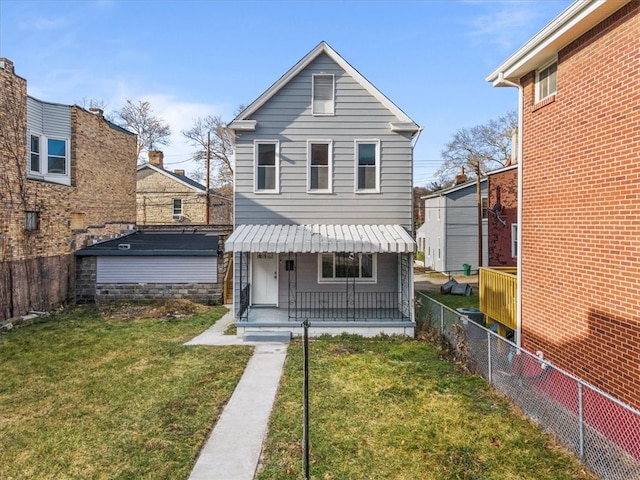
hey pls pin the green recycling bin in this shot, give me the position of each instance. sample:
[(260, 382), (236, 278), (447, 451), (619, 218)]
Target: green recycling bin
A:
[(467, 269)]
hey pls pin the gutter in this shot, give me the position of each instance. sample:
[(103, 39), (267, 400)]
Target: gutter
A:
[(501, 81)]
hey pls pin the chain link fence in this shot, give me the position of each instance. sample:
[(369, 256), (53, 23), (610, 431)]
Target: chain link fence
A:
[(603, 432)]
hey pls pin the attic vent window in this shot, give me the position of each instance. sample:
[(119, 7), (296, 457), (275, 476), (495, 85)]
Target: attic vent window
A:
[(323, 93), (124, 246)]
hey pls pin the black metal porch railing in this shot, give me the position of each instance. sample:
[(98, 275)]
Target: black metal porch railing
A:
[(348, 306), (244, 302)]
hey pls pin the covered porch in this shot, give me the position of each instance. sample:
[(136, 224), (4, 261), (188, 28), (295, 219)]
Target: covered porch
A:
[(341, 278)]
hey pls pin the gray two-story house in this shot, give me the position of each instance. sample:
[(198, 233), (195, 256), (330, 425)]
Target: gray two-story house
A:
[(323, 204)]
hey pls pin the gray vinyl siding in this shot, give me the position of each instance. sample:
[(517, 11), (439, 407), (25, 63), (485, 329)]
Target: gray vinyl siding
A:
[(306, 277), (462, 228), (50, 119), (287, 117), (157, 269)]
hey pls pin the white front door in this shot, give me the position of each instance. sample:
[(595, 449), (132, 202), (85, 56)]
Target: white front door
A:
[(264, 283)]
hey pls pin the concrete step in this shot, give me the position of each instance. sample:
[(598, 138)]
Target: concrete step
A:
[(267, 337)]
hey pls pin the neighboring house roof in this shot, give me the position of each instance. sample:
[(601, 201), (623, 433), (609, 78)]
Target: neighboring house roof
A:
[(183, 179), (242, 122), (577, 19), (504, 169), (320, 239), (454, 188), (157, 243)]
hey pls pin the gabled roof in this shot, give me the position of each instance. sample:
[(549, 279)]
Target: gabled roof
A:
[(242, 120), (577, 19), (454, 188), (183, 179)]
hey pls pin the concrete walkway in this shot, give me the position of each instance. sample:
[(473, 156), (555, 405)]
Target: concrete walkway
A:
[(233, 449)]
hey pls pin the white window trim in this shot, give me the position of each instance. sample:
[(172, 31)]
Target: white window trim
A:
[(355, 155), (255, 167), (484, 205), (329, 188), (514, 240), (313, 96), (374, 267), (43, 174), (539, 98), (173, 206)]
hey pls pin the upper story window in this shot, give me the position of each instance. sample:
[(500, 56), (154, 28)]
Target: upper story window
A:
[(177, 206), (367, 166), (514, 240), (323, 93), (546, 81), (267, 166), (485, 208), (49, 159), (320, 169), (338, 266)]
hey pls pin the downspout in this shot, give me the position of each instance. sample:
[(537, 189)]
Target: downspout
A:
[(503, 82)]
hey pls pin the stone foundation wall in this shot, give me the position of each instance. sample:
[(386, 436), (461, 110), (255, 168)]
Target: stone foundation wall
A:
[(205, 293)]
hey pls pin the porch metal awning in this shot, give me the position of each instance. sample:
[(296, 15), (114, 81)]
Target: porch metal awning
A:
[(320, 239)]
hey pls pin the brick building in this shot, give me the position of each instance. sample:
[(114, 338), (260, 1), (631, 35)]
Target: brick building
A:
[(502, 217), (171, 198), (68, 175), (579, 196)]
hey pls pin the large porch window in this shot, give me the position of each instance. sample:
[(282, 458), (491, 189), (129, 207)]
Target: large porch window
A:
[(333, 267)]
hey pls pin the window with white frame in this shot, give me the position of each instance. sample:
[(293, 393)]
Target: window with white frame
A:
[(339, 266), (49, 159), (323, 90), (267, 166), (485, 208), (320, 168), (546, 81), (367, 165), (514, 240), (177, 207)]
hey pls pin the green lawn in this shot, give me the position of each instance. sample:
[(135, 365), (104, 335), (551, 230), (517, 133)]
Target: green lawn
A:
[(456, 301), (92, 397), (390, 408)]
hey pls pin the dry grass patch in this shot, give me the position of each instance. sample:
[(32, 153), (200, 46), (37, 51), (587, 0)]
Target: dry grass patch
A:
[(112, 393)]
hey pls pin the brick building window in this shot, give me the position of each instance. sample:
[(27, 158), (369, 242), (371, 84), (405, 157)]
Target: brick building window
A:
[(546, 81), (514, 240), (31, 221), (177, 209), (49, 159)]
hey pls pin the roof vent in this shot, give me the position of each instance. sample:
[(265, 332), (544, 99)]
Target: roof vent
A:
[(124, 246)]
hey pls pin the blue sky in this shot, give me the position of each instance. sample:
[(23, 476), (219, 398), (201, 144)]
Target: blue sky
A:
[(196, 58)]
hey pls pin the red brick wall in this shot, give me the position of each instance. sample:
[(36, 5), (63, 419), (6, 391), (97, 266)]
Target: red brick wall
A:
[(581, 210), (502, 189)]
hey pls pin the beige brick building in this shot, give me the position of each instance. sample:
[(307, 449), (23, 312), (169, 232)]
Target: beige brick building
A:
[(68, 175), (171, 198)]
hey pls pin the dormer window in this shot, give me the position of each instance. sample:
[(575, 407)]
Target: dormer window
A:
[(323, 93), (546, 81)]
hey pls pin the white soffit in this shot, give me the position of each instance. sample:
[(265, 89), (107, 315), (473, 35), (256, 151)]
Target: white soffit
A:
[(320, 239)]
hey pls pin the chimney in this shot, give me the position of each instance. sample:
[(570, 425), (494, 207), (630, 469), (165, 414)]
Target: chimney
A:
[(98, 112), (179, 172), (460, 178), (156, 157), (6, 64)]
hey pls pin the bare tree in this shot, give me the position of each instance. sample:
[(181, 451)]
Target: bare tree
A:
[(484, 147), (138, 118), (220, 149)]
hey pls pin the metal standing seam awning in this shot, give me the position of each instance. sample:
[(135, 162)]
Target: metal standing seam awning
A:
[(320, 239)]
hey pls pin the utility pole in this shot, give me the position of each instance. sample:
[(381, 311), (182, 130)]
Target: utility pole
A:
[(207, 167), (479, 192)]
